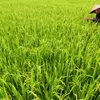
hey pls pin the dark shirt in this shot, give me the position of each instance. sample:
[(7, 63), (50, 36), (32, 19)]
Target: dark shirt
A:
[(97, 19)]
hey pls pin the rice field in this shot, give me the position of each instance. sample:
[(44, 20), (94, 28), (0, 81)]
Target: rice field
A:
[(48, 51)]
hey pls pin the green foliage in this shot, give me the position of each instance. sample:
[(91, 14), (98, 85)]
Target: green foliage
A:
[(48, 51)]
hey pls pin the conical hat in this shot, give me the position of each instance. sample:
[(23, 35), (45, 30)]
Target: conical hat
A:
[(94, 8)]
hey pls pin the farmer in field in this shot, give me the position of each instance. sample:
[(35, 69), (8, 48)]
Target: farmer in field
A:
[(96, 10)]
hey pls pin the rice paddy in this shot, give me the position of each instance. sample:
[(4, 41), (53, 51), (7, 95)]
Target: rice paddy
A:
[(48, 51)]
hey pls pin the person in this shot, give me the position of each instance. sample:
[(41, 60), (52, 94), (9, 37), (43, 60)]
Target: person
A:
[(96, 10)]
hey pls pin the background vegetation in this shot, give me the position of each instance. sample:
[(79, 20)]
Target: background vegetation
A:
[(48, 51)]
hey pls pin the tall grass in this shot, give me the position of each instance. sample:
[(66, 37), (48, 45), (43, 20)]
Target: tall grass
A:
[(48, 51)]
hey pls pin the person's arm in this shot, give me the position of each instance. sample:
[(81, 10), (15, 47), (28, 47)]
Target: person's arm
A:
[(88, 18)]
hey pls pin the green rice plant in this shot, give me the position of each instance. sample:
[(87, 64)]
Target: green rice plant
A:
[(48, 51)]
